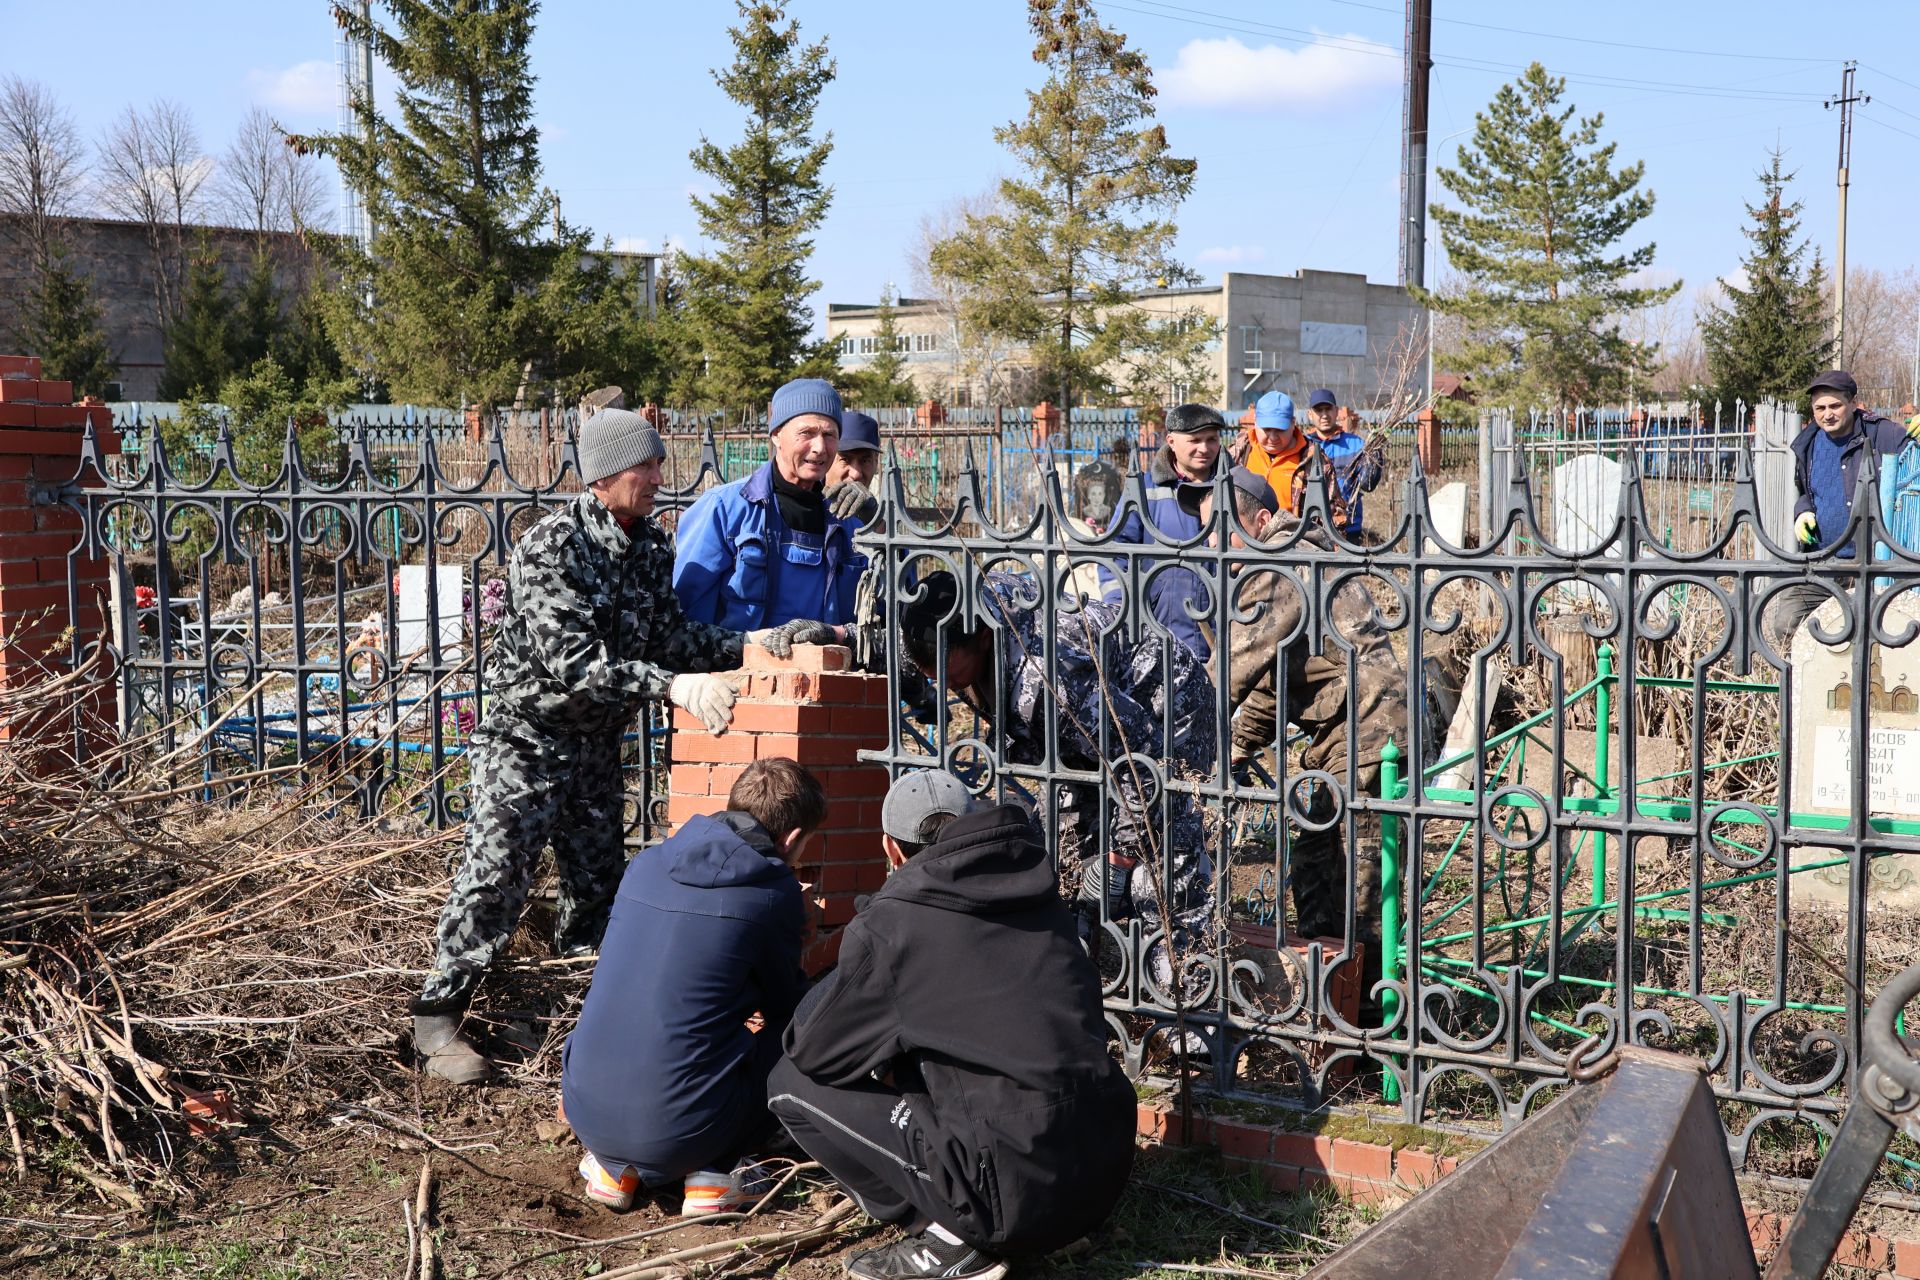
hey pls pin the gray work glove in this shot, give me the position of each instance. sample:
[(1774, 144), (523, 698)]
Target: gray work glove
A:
[(779, 641), (708, 697), (851, 500)]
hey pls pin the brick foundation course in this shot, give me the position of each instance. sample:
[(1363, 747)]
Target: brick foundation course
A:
[(50, 597), (812, 709), (1291, 1161)]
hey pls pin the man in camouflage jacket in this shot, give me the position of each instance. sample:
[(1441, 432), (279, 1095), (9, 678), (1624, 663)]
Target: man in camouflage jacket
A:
[(592, 631), (1156, 706), (1319, 695)]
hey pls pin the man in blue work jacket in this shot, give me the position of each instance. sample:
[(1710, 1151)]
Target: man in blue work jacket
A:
[(766, 548), (1353, 467), (1185, 461)]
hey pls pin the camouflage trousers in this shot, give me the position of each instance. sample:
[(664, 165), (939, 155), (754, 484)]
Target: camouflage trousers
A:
[(528, 788), (1179, 856), (1318, 867)]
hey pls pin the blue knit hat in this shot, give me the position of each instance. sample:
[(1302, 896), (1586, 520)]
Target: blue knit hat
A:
[(858, 431), (1273, 411), (803, 395)]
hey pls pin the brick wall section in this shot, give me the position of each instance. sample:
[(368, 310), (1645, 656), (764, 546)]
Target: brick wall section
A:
[(1291, 1162), (809, 708), (40, 437)]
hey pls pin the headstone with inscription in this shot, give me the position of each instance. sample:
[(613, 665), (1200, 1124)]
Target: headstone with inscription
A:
[(1824, 696)]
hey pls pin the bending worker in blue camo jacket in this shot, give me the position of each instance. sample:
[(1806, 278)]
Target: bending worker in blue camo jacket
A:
[(765, 549), (592, 631)]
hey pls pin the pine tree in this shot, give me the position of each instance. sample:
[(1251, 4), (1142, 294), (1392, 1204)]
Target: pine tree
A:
[(597, 320), (1537, 241), (446, 307), (1087, 225), (60, 322), (303, 348), (883, 380), (198, 345), (257, 317), (678, 365), (1773, 335), (747, 298)]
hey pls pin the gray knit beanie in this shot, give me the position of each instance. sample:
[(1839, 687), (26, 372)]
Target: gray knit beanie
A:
[(613, 440)]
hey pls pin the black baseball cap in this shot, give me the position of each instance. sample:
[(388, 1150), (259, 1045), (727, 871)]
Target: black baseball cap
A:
[(1835, 380), (1319, 396)]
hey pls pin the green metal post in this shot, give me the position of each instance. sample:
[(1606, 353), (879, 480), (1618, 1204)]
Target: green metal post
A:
[(1602, 758), (1391, 844)]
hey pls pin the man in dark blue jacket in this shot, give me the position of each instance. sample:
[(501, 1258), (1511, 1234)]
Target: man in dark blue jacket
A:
[(953, 1074), (1185, 462), (1826, 471), (662, 1077)]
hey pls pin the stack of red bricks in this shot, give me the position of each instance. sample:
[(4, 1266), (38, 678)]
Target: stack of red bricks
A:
[(44, 588), (812, 709)]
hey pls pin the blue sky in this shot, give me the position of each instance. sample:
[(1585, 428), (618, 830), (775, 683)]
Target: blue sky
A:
[(1292, 108)]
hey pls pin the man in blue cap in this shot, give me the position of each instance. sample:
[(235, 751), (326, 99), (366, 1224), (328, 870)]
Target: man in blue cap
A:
[(850, 493), (1353, 466), (765, 550)]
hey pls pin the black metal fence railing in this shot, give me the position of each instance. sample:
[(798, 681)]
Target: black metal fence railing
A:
[(1533, 799)]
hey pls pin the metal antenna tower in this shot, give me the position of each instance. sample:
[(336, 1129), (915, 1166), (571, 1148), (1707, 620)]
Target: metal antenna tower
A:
[(1845, 102), (354, 58)]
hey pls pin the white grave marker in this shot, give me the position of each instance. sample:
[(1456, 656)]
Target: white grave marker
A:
[(411, 621), (1448, 507)]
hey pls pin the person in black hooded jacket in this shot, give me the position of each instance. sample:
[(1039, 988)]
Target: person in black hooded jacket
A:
[(953, 1073)]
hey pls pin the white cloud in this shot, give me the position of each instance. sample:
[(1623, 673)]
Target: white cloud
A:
[(305, 88), (1231, 255), (1228, 74)]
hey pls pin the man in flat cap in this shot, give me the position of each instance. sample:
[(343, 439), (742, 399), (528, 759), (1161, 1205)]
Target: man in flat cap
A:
[(593, 630), (1826, 468)]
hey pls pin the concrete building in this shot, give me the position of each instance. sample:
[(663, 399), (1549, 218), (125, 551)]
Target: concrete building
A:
[(1331, 329)]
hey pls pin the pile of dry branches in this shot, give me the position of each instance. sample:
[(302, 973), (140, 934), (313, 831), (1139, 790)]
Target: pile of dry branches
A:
[(168, 954)]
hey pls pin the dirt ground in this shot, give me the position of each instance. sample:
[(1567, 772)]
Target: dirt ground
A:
[(325, 1196)]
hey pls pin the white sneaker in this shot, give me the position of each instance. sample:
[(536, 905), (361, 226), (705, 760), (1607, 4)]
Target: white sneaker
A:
[(614, 1191)]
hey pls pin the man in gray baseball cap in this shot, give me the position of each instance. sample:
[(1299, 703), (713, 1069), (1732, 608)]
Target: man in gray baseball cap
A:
[(961, 1031), (592, 632)]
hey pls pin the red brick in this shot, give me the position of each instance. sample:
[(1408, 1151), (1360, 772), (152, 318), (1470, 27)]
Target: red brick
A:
[(782, 686), (848, 690), (1906, 1259), (19, 391), (851, 877), (778, 717), (42, 544), (822, 955), (59, 417), (19, 366), (836, 910), (681, 808), (1362, 1190), (720, 781), (1182, 1132), (1858, 1249), (56, 392), (56, 517), (19, 573), (1247, 1141), (1363, 1160), (14, 493), (1416, 1169), (830, 750), (688, 779), (806, 657), (14, 466), (1150, 1122), (1281, 1178), (862, 721), (700, 747), (767, 746), (16, 415), (855, 784), (46, 446), (1309, 1151), (851, 848), (15, 599)]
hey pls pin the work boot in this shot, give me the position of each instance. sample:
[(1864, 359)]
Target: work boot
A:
[(444, 1052)]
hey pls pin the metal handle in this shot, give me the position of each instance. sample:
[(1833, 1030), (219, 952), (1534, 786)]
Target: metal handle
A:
[(1882, 1045)]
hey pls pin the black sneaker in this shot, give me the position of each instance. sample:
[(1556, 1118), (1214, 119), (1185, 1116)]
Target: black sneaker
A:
[(924, 1254)]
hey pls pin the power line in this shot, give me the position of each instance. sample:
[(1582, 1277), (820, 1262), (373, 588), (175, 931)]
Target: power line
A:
[(1612, 44), (1894, 128)]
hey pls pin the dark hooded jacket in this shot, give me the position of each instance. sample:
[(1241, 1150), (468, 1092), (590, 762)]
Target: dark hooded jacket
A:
[(705, 931), (962, 980)]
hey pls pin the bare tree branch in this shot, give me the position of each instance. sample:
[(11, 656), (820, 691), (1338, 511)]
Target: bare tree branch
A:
[(151, 172), (42, 161)]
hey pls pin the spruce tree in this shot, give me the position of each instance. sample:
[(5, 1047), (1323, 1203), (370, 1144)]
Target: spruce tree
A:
[(1537, 239), (257, 318), (1086, 225), (198, 345), (60, 322), (678, 365), (747, 297), (883, 380), (1772, 337), (446, 307)]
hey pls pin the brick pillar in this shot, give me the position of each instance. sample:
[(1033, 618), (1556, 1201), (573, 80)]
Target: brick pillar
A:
[(1046, 421), (930, 414), (812, 709), (40, 436), (1427, 440)]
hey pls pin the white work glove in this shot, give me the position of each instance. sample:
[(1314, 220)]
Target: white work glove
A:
[(851, 500), (779, 641), (1807, 529), (708, 697)]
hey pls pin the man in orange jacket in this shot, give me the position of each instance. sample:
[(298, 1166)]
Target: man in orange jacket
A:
[(1274, 448)]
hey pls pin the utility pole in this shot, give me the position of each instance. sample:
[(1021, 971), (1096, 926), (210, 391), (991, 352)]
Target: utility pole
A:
[(1845, 102), (1413, 144)]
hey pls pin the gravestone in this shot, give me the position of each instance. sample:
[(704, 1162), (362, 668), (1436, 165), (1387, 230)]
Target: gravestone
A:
[(1822, 689), (1096, 492), (410, 621), (1586, 499), (1448, 507)]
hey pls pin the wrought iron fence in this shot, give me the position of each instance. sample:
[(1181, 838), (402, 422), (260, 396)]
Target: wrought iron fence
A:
[(1623, 800)]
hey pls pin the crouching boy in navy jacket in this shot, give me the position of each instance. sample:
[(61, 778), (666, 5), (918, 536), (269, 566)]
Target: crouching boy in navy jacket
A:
[(953, 1074), (662, 1077)]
